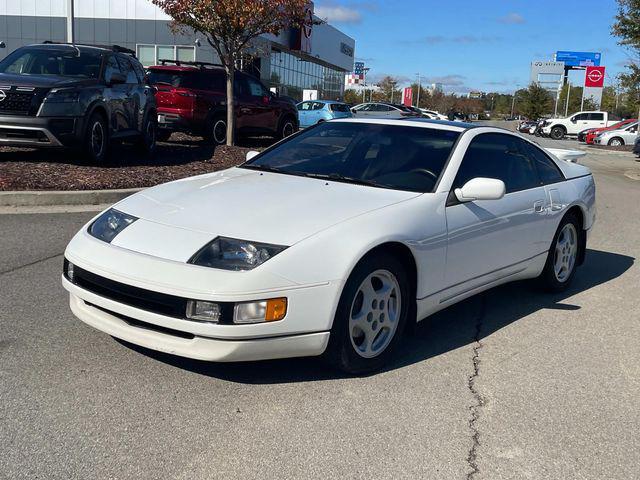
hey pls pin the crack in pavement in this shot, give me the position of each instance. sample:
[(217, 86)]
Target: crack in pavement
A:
[(472, 457), (15, 269)]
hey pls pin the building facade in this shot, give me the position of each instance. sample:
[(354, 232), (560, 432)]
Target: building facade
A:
[(316, 58)]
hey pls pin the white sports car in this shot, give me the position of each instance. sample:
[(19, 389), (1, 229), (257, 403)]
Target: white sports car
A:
[(330, 242)]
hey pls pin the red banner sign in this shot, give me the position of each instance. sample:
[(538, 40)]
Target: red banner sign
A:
[(407, 96), (594, 77)]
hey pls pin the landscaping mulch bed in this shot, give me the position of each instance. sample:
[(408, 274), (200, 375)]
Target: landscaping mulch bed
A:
[(182, 156)]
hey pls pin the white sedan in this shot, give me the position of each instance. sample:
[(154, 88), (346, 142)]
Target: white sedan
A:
[(330, 242)]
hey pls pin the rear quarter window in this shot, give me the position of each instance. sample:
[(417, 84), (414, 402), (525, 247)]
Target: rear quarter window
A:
[(339, 107)]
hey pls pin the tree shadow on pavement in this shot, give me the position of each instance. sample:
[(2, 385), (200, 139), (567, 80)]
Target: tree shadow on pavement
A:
[(444, 331)]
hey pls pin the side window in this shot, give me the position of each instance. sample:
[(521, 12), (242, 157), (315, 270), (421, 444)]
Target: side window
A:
[(548, 171), (305, 106), (596, 116), (633, 128), (255, 88), (318, 106), (111, 67), (500, 156), (582, 116), (127, 70), (137, 67), (239, 86)]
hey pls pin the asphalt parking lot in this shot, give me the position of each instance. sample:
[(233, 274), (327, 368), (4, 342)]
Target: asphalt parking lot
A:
[(512, 384)]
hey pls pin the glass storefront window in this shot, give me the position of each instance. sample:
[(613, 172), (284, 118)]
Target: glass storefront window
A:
[(152, 54), (290, 75)]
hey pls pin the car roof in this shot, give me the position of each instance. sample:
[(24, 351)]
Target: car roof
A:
[(186, 68)]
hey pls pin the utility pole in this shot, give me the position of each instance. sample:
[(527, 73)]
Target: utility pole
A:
[(513, 103), (419, 88), (70, 26), (566, 107)]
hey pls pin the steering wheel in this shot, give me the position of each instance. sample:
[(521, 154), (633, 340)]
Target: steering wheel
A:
[(427, 172)]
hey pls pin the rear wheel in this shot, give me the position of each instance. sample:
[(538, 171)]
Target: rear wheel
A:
[(287, 127), (557, 133), (96, 139), (217, 130), (562, 259), (147, 142), (616, 142), (371, 315)]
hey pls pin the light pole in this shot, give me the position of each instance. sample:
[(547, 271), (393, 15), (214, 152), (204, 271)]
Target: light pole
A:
[(70, 27), (566, 107), (364, 84), (393, 87), (419, 88)]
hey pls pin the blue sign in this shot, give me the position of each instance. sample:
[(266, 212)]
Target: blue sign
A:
[(579, 59), (358, 68)]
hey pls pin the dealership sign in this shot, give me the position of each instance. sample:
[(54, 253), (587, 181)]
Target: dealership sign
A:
[(301, 37), (407, 96), (579, 59), (594, 77)]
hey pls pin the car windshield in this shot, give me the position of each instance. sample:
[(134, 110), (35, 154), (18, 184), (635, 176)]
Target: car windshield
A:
[(399, 157), (67, 62)]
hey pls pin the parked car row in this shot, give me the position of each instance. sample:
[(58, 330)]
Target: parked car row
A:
[(618, 134), (86, 96)]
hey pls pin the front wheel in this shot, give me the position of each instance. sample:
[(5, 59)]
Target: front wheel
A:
[(560, 267), (96, 139), (371, 315), (615, 142), (557, 133)]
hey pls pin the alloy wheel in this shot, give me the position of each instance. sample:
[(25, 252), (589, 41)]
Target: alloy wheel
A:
[(287, 129), (375, 313), (565, 252), (97, 139), (220, 131)]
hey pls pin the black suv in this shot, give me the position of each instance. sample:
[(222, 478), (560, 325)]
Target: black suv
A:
[(63, 95)]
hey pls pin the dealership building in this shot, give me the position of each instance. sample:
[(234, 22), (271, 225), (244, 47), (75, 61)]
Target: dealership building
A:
[(314, 58)]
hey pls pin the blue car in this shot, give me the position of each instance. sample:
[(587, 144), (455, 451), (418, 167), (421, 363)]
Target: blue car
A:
[(313, 112)]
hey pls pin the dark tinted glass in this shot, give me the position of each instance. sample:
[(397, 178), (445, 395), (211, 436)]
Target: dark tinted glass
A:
[(392, 156), (495, 155), (112, 67), (127, 69), (188, 79), (548, 171), (596, 116), (49, 61), (339, 107)]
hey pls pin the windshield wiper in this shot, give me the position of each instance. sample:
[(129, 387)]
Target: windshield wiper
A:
[(263, 168), (337, 177)]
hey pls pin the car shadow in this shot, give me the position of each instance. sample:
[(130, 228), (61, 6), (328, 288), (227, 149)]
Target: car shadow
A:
[(452, 328)]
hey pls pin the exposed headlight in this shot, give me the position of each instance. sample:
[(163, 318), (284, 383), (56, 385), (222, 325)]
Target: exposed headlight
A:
[(203, 311), (259, 312), (110, 224), (233, 254), (62, 96)]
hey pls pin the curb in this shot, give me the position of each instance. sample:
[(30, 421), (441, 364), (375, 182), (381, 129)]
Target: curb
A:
[(604, 151), (46, 198)]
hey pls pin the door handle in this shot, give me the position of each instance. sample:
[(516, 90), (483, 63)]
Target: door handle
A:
[(538, 206)]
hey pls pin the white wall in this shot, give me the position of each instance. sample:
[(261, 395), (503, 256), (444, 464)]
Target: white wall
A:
[(107, 9)]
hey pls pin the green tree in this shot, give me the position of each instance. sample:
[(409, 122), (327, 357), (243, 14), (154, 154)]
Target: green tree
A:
[(230, 26), (535, 102), (389, 89), (627, 28), (352, 96)]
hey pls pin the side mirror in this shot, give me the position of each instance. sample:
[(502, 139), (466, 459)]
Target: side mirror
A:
[(353, 110), (574, 120), (251, 154), (117, 79), (481, 189)]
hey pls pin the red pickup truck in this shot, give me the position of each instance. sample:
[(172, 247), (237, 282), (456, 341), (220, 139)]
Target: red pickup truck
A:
[(191, 98)]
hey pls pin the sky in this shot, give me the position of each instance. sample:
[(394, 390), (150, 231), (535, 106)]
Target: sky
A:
[(485, 45)]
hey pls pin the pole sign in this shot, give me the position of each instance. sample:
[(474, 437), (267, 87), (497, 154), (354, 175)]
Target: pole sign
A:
[(358, 68), (407, 96), (594, 77)]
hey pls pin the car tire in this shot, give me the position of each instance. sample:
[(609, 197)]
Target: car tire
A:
[(217, 130), (615, 142), (371, 316), (163, 135), (148, 137), (557, 133), (563, 256), (287, 127), (96, 139)]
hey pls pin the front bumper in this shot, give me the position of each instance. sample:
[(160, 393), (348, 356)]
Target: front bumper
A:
[(30, 131), (148, 335), (176, 120)]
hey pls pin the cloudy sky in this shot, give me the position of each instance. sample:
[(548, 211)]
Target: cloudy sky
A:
[(467, 44)]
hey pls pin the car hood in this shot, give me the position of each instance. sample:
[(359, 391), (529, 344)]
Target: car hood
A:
[(248, 205), (43, 81)]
